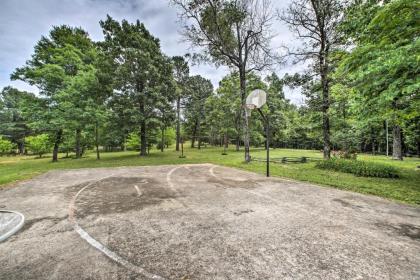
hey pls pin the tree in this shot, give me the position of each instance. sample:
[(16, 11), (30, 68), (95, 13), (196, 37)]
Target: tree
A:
[(278, 106), (232, 33), (224, 110), (101, 91), (166, 118), (39, 144), (199, 90), (61, 67), (13, 123), (316, 23), (141, 72), (181, 75), (383, 68)]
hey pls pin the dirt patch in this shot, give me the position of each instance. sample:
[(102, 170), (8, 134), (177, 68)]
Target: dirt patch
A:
[(238, 213), (120, 195), (402, 229), (347, 204)]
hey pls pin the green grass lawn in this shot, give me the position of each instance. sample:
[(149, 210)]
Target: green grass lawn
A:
[(405, 189)]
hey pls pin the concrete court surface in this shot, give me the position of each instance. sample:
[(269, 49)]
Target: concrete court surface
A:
[(203, 222)]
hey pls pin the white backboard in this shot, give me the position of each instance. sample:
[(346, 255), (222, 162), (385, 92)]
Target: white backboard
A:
[(257, 97)]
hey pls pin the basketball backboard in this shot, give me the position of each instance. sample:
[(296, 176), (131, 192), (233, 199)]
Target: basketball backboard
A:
[(256, 99)]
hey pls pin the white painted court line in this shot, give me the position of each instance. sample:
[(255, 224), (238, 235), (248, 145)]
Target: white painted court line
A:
[(96, 244), (139, 193), (99, 246), (10, 221), (168, 178), (14, 229)]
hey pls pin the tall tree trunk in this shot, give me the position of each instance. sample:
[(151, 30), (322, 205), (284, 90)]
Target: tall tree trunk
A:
[(373, 140), (162, 141), (142, 111), (57, 142), (193, 135), (21, 147), (178, 122), (78, 149), (242, 79), (326, 124), (323, 66), (238, 139), (199, 136), (226, 139), (98, 156), (143, 138), (396, 143)]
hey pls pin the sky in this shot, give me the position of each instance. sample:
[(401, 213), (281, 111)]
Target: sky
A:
[(23, 22)]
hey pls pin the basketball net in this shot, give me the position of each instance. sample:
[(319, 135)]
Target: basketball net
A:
[(248, 109)]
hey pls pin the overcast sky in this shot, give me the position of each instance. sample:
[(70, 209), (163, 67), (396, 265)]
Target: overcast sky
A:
[(23, 22)]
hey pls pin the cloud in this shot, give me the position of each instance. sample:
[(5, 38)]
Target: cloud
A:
[(23, 22)]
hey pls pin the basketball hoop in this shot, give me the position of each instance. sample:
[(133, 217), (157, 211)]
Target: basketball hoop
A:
[(255, 100)]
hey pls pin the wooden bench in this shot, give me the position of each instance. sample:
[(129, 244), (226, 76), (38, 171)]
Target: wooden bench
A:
[(287, 159)]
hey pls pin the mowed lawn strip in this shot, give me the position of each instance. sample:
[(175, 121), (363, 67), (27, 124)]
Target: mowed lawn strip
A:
[(405, 189)]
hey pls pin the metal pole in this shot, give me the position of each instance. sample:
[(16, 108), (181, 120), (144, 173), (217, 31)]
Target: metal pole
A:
[(267, 142), (268, 146), (387, 145)]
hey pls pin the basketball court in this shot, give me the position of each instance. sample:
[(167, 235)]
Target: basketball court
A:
[(203, 222)]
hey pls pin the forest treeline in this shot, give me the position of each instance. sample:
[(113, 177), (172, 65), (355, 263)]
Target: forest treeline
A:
[(361, 84)]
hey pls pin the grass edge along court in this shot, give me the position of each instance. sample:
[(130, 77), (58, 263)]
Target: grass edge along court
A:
[(405, 189)]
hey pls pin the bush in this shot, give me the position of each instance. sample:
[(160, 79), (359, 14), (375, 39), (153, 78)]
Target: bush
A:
[(6, 146), (39, 144), (344, 154), (359, 168)]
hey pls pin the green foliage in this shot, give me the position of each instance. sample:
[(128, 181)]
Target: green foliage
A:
[(63, 68), (224, 108), (133, 141), (199, 90), (359, 168), (143, 93), (170, 136), (39, 144), (383, 68), (6, 146), (13, 121)]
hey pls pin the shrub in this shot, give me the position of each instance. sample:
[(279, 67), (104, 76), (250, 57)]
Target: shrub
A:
[(343, 154), (39, 144), (6, 146), (359, 168)]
